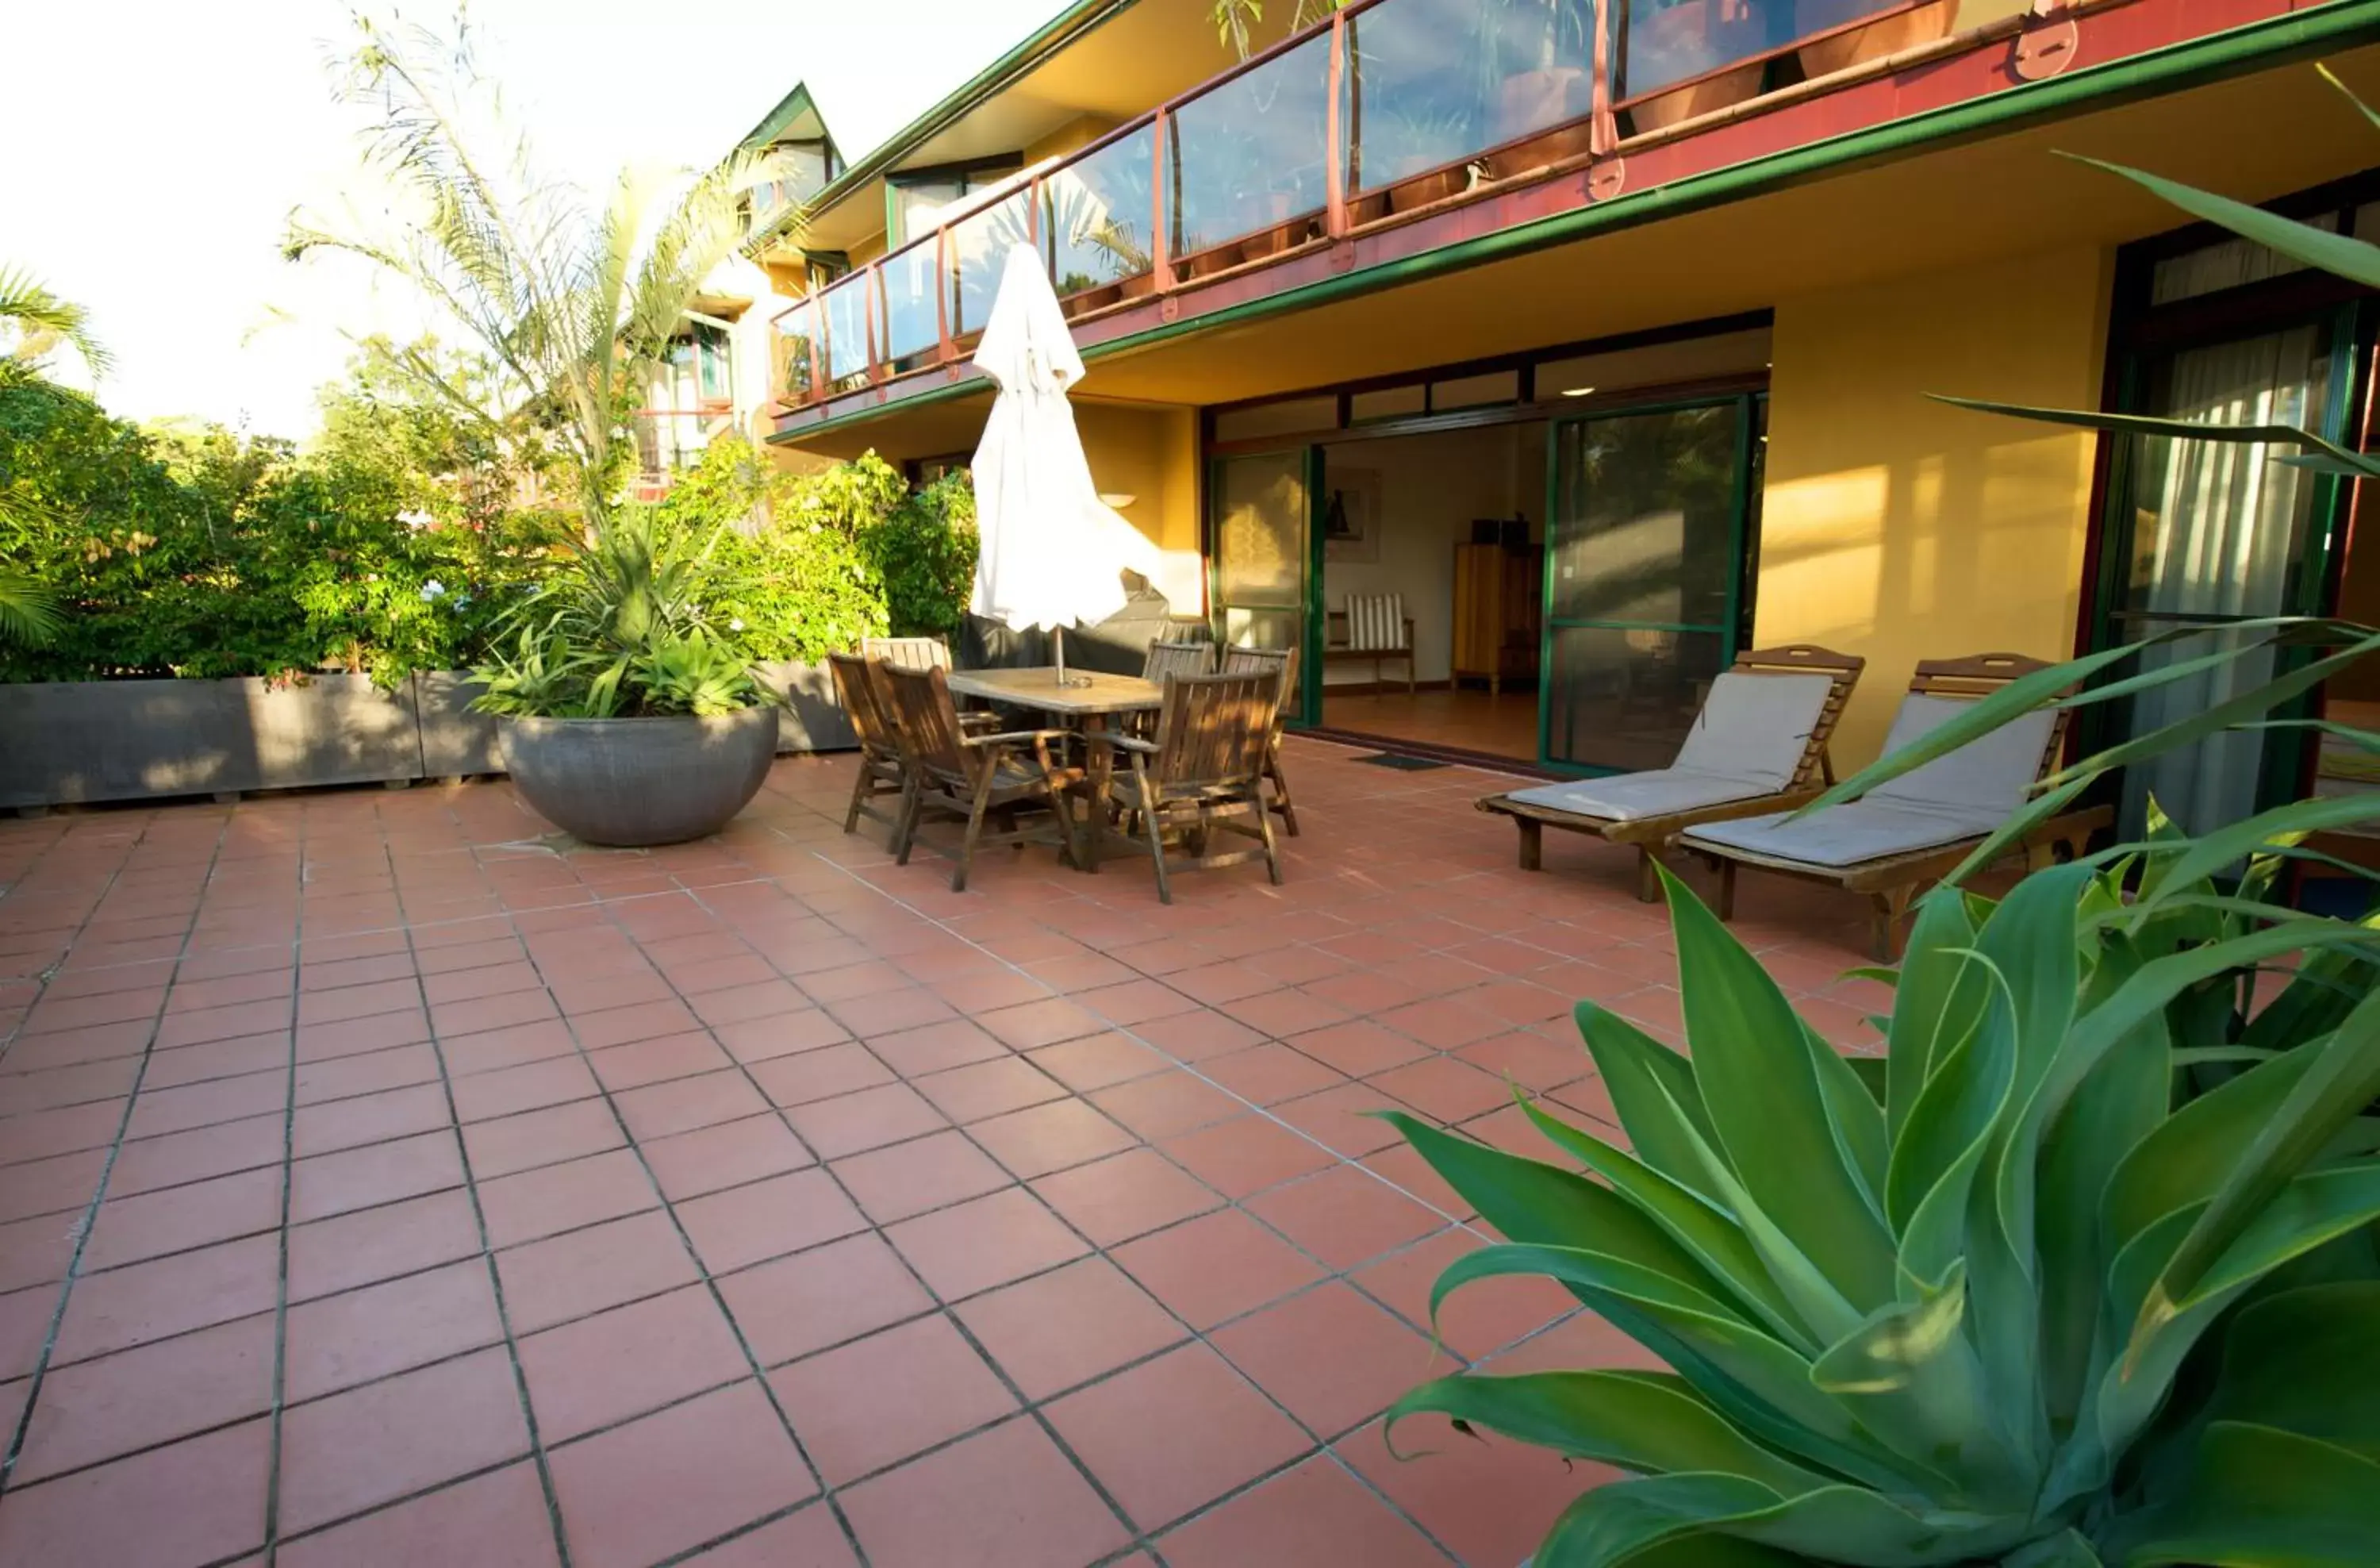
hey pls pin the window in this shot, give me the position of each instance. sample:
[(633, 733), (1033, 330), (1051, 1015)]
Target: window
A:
[(2226, 263), (702, 369), (916, 202)]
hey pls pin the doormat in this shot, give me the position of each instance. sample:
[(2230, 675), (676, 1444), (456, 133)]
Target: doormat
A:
[(1405, 764)]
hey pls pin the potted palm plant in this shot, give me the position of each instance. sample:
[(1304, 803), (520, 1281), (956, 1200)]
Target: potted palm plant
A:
[(625, 717)]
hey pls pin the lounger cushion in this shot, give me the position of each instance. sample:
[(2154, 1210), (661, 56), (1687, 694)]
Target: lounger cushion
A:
[(1991, 774), (1754, 727), (1953, 798), (1848, 835), (1625, 798)]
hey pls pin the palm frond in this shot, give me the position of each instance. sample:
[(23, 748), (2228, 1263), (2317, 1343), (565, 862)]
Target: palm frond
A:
[(29, 613), (43, 321), (574, 304)]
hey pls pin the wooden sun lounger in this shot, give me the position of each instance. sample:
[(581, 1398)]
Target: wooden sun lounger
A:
[(1892, 882), (1811, 776)]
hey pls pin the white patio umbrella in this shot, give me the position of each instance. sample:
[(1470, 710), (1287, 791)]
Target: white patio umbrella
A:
[(1053, 553)]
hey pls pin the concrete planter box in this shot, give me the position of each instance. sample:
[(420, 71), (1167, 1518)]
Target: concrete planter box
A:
[(456, 742), (74, 742), (813, 719), (633, 781), (70, 741)]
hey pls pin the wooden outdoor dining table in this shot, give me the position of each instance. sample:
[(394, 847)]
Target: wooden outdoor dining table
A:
[(1089, 701)]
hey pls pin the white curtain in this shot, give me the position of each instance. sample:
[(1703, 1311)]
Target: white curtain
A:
[(2219, 528)]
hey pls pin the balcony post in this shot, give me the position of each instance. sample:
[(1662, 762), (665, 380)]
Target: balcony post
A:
[(874, 303), (946, 348), (1334, 174), (1603, 129), (825, 362), (1161, 262)]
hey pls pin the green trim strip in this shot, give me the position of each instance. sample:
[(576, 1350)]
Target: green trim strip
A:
[(2174, 68), (1045, 41)]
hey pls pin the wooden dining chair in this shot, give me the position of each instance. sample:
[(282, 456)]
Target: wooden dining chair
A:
[(972, 776), (1168, 659), (907, 652), (1177, 659), (882, 768), (1281, 662), (1206, 765)]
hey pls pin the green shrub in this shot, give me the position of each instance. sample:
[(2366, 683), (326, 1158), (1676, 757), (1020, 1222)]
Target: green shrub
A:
[(927, 549), (195, 553)]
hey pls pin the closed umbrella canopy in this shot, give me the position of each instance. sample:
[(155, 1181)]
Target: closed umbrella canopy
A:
[(1053, 552)]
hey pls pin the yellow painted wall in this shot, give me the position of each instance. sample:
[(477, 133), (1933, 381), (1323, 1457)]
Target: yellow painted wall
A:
[(1901, 528), (1151, 454), (1081, 131)]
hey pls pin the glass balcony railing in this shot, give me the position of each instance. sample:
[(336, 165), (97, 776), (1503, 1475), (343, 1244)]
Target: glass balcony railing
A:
[(1098, 214), (913, 315), (796, 354), (1247, 161), (1679, 58), (979, 245), (1389, 107), (1441, 94), (848, 352)]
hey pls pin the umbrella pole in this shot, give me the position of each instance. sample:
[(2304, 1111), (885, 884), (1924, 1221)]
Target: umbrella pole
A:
[(1058, 637)]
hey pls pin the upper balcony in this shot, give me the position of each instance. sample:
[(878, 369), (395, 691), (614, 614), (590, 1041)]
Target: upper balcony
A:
[(1401, 125)]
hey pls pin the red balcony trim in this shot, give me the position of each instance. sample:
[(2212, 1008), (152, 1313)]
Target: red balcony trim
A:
[(1950, 73)]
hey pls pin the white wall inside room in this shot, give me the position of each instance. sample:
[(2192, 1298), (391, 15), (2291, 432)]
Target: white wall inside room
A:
[(1430, 488)]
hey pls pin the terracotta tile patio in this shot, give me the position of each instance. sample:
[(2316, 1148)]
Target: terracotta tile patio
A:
[(378, 1185)]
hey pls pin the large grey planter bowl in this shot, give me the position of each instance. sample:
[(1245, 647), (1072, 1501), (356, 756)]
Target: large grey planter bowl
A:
[(640, 781)]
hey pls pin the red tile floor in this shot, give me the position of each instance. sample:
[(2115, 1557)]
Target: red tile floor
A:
[(378, 1185)]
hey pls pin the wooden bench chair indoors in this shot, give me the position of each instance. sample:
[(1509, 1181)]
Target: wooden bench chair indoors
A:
[(1281, 662), (1902, 837), (973, 777), (1373, 631), (1758, 746), (1205, 769)]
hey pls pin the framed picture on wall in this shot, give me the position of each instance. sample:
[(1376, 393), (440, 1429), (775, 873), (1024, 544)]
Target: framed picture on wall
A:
[(1351, 515)]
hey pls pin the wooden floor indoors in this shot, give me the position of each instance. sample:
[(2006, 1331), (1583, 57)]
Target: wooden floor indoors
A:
[(1467, 720)]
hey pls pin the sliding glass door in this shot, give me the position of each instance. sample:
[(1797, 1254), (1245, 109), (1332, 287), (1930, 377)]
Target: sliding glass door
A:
[(1263, 546), (1645, 546), (2208, 534)]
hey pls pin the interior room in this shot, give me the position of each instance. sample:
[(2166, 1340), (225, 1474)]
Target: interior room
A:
[(1450, 525)]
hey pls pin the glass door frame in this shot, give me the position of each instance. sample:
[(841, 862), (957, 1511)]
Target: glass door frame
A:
[(2321, 557), (1738, 541), (1310, 620)]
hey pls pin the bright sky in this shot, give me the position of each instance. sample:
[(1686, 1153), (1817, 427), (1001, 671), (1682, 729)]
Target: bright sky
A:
[(156, 147)]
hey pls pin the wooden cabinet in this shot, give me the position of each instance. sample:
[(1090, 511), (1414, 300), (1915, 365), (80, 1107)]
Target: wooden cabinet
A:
[(1498, 594)]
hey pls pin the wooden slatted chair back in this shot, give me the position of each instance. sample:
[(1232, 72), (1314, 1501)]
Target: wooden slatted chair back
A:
[(1281, 662), (909, 652), (1177, 659), (1842, 671), (927, 718), (1979, 675), (1215, 729), (857, 688)]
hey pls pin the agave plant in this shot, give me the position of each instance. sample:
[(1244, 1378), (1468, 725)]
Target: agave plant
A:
[(2007, 1296)]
